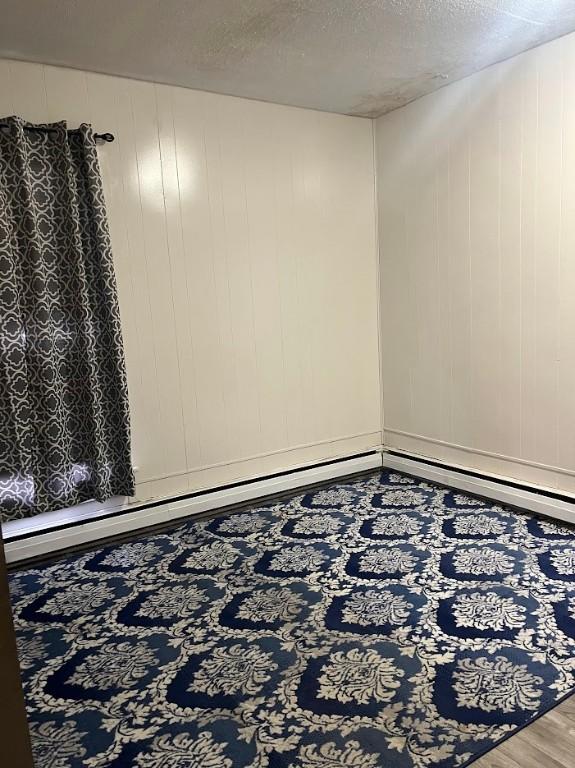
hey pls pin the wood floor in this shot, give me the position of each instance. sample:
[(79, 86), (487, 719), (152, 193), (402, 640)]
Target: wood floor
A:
[(549, 742)]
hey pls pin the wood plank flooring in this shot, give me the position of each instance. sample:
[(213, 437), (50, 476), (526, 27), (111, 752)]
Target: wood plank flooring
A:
[(549, 742)]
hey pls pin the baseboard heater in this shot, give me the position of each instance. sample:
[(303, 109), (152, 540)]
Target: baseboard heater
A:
[(23, 546), (44, 541), (523, 496)]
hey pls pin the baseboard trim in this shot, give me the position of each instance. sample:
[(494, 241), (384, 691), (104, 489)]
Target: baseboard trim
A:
[(32, 544), (505, 490), (500, 457)]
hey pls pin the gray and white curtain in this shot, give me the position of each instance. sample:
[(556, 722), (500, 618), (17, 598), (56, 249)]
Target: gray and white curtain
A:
[(64, 428)]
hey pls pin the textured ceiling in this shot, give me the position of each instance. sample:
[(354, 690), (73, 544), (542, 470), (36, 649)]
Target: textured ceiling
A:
[(360, 57)]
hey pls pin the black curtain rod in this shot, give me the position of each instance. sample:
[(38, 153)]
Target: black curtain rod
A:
[(97, 136)]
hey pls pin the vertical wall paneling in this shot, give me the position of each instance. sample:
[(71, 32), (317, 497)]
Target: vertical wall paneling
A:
[(477, 228), (245, 254), (566, 353)]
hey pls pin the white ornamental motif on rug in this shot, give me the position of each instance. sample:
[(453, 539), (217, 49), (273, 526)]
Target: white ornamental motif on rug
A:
[(496, 684), (375, 607), (359, 676), (488, 611)]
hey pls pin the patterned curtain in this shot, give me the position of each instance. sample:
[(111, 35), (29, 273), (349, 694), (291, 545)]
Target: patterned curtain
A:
[(64, 427)]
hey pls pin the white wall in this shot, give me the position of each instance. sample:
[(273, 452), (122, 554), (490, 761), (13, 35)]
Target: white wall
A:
[(244, 244), (477, 239)]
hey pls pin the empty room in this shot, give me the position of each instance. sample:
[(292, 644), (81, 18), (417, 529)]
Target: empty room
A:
[(287, 384)]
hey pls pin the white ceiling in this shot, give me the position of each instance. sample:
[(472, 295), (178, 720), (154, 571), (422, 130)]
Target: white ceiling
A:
[(360, 57)]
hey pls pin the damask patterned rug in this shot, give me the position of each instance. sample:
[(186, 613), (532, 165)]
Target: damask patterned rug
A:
[(381, 623)]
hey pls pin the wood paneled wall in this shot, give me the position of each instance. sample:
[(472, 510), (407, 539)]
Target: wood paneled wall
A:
[(245, 251), (477, 238)]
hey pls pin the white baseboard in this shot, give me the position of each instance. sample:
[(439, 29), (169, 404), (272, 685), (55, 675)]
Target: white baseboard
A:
[(46, 542), (524, 499)]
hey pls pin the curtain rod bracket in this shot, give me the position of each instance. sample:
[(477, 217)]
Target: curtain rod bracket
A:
[(107, 137)]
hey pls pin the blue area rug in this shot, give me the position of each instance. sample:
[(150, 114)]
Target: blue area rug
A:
[(382, 623)]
